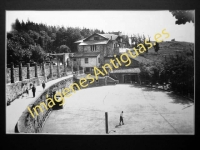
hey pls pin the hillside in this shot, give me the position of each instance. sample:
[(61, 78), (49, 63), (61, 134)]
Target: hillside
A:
[(30, 42), (168, 48)]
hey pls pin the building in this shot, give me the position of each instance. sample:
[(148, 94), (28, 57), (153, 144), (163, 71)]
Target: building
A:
[(64, 57), (131, 73), (96, 50)]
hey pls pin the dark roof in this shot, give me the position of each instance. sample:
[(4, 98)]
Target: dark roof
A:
[(92, 54)]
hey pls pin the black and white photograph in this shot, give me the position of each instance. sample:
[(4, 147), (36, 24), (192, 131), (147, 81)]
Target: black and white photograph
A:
[(100, 72)]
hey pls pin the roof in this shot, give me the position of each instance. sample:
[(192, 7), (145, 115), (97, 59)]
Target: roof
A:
[(130, 70), (94, 42), (79, 41), (79, 55), (139, 58), (142, 59), (109, 36)]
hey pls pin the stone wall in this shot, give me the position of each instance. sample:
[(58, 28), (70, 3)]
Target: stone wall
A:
[(32, 72), (28, 124), (8, 75), (47, 70), (14, 90), (24, 73)]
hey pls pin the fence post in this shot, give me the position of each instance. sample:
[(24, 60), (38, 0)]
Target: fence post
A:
[(71, 59), (36, 74), (78, 69), (106, 121), (12, 73), (64, 64), (28, 70), (58, 67), (44, 72), (51, 71), (105, 80), (20, 72)]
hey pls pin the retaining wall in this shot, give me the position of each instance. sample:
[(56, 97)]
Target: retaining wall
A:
[(28, 124)]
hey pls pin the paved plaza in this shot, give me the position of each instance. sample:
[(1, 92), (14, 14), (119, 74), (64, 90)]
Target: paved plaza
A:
[(146, 111)]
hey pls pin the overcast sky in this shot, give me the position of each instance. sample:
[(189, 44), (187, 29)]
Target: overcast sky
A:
[(128, 22)]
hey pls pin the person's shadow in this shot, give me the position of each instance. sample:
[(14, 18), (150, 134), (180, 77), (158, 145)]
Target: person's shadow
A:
[(117, 126)]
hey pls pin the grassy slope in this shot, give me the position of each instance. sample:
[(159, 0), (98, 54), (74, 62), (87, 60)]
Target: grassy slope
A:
[(168, 48)]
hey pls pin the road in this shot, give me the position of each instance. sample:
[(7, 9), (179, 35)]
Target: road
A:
[(146, 111)]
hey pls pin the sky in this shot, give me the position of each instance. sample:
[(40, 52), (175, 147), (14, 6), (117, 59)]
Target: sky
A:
[(128, 22)]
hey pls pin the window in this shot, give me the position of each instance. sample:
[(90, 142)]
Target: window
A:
[(87, 69), (115, 45), (96, 38), (93, 47), (86, 60), (98, 60)]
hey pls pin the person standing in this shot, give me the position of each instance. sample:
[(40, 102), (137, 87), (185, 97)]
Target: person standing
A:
[(43, 84), (121, 119), (33, 89)]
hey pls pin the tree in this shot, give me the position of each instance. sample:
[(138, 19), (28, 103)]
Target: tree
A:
[(180, 71), (17, 25), (183, 16), (151, 72), (38, 54), (102, 32), (64, 49), (156, 47)]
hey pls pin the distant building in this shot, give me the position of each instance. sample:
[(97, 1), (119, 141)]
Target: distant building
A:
[(130, 74), (65, 58)]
